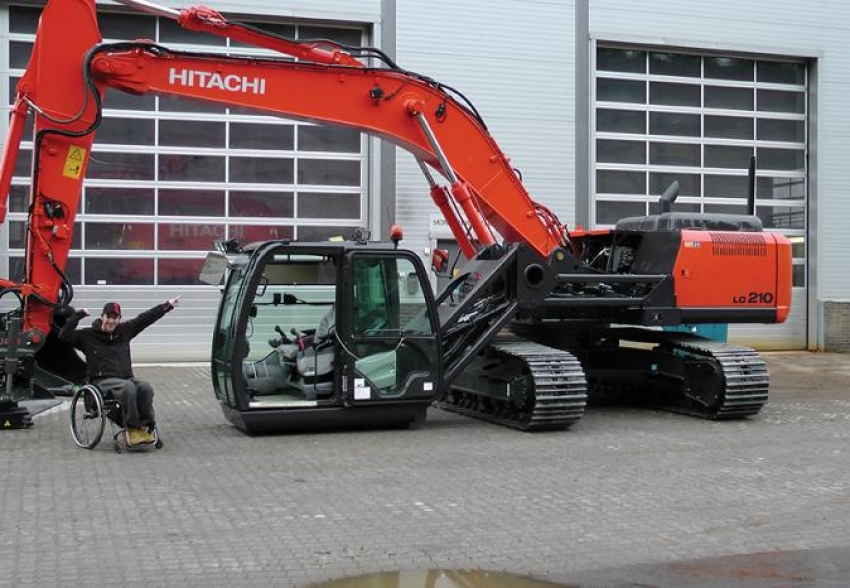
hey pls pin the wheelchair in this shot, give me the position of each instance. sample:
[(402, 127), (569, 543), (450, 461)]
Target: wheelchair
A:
[(90, 412)]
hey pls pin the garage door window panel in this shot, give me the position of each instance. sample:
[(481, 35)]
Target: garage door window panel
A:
[(729, 68), (621, 121), (184, 167), (121, 166), (265, 232), (119, 236), (128, 271), (672, 94), (319, 205), (179, 272), (620, 182), (126, 131), (611, 90), (118, 200), (191, 133), (189, 236), (272, 137), (328, 172), (187, 202), (262, 204), (620, 151)]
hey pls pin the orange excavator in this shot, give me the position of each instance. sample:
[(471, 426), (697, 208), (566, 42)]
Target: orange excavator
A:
[(321, 334)]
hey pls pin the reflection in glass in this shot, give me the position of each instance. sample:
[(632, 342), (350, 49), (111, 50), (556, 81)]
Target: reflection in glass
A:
[(729, 68), (262, 136), (626, 60), (131, 271), (782, 217), (191, 133), (126, 131), (179, 272), (189, 236), (768, 188), (191, 202), (19, 197), (262, 204), (17, 234), (782, 159), (329, 172), (321, 205), (109, 236), (23, 164), (251, 233), (262, 170), (191, 168), (324, 233), (674, 64), (798, 275), (117, 200), (121, 166)]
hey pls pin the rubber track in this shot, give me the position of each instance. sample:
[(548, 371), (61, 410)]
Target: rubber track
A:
[(559, 382), (744, 371)]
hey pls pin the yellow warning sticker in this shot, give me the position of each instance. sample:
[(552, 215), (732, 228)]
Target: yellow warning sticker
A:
[(74, 162)]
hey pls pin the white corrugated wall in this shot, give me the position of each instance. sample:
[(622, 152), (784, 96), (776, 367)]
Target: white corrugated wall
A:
[(515, 60)]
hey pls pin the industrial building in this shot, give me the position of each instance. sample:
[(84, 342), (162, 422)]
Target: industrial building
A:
[(600, 104)]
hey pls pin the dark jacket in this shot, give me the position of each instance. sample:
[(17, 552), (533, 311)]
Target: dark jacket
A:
[(108, 354)]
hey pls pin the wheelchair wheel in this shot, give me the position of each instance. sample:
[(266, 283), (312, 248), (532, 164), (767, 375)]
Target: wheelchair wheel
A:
[(88, 419)]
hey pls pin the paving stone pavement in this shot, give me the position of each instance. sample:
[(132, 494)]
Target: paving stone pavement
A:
[(623, 487)]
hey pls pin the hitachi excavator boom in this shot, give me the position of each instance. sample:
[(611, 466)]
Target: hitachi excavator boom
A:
[(518, 337)]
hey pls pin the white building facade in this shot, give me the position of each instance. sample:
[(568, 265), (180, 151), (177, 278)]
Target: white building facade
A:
[(599, 105)]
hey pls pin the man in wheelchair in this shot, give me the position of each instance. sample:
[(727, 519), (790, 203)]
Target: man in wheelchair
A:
[(109, 366)]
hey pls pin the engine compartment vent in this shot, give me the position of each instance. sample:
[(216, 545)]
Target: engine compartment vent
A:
[(738, 244)]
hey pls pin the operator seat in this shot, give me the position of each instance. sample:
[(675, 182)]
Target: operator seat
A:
[(315, 361)]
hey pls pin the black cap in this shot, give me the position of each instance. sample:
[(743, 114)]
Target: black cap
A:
[(112, 308)]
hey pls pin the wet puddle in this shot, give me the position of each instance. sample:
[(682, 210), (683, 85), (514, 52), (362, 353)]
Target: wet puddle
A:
[(440, 579)]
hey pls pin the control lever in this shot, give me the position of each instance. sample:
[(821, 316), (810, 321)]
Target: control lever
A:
[(283, 336)]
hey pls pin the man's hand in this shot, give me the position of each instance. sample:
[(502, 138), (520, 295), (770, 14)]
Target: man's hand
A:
[(84, 312), (173, 301)]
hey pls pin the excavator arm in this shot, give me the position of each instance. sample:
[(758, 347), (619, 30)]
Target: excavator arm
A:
[(64, 84)]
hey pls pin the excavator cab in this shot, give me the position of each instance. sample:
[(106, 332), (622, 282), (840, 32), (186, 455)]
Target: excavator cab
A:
[(322, 334)]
